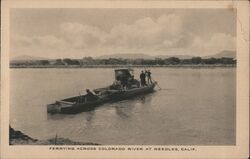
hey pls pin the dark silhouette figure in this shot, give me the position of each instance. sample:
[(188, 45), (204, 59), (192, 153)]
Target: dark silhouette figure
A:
[(143, 79), (149, 79), (133, 83), (124, 82)]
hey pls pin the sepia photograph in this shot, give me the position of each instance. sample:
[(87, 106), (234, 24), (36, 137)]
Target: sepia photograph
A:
[(123, 76), (107, 76)]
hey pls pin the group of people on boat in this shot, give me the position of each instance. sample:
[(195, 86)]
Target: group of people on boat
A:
[(143, 76), (128, 82), (124, 81)]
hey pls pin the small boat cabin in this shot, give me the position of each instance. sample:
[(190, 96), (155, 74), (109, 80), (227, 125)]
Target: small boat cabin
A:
[(124, 73)]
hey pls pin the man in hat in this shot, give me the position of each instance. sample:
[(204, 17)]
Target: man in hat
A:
[(149, 79), (143, 79)]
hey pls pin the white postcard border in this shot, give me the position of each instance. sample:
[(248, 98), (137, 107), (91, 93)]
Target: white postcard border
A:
[(240, 150)]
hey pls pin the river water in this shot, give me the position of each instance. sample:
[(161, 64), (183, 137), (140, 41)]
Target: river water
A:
[(194, 107)]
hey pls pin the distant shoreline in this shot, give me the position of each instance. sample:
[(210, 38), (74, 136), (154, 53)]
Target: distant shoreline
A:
[(126, 66)]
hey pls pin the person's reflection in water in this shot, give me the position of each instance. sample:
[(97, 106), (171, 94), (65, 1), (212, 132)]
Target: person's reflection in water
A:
[(143, 99), (124, 111), (89, 117)]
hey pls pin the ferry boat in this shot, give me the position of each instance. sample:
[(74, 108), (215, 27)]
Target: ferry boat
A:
[(112, 93)]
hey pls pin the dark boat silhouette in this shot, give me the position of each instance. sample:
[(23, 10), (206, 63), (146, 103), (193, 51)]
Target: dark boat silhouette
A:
[(111, 93)]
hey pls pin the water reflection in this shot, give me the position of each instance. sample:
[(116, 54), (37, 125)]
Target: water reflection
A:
[(89, 116), (126, 109), (143, 99), (187, 101), (147, 99), (121, 108), (59, 116)]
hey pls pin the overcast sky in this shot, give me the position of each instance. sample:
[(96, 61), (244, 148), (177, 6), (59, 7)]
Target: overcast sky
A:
[(75, 33)]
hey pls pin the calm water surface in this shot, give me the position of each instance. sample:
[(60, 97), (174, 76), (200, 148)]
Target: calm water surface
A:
[(195, 106)]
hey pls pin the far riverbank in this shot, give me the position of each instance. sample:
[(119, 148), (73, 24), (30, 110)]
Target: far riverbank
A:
[(122, 66)]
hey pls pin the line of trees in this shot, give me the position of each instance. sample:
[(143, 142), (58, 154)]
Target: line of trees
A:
[(119, 61)]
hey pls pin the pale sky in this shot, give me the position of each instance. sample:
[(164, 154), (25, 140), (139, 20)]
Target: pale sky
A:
[(75, 33)]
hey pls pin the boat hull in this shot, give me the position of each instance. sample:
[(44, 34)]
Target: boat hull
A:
[(73, 108)]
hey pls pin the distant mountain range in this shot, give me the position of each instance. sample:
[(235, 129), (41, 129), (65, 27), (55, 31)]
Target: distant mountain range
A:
[(178, 56), (127, 56), (225, 53), (142, 56)]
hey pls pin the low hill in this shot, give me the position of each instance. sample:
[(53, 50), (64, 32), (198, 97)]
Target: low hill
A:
[(127, 56), (225, 53), (178, 56)]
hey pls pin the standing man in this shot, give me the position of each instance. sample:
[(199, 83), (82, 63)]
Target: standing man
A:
[(149, 76), (143, 78)]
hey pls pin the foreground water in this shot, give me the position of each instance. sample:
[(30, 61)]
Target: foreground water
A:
[(194, 107)]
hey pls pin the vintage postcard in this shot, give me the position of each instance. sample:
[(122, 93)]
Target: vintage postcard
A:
[(124, 79)]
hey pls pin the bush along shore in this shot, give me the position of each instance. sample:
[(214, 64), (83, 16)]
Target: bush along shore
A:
[(123, 66), (89, 62), (19, 138)]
